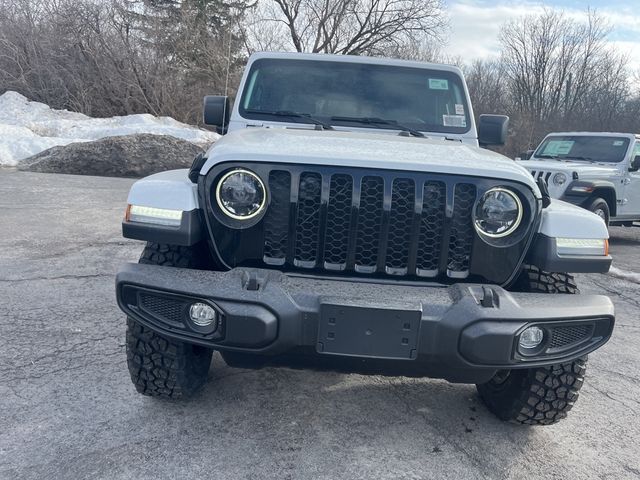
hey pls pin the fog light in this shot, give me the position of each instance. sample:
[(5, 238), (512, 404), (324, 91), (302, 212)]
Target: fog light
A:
[(531, 338), (203, 315)]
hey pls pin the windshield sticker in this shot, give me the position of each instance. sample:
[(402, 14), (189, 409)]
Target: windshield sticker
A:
[(459, 109), (454, 121), (618, 143), (438, 84), (558, 147)]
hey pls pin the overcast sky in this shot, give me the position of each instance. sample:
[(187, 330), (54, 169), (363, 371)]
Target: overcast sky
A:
[(475, 23)]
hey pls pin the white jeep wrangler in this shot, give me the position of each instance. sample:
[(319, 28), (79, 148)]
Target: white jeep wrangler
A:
[(596, 171), (349, 220)]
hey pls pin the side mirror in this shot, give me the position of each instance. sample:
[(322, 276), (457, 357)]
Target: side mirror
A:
[(492, 129), (216, 112), (635, 164)]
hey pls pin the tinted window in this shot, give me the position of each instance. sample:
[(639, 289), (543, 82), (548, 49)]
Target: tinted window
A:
[(422, 99), (597, 149)]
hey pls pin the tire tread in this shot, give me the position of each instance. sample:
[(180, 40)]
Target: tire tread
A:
[(159, 366)]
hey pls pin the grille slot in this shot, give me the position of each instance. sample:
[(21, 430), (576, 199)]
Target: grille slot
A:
[(276, 222), (369, 223), (541, 174), (403, 195), (166, 308), (338, 222), (431, 229), (462, 233), (569, 335), (308, 220)]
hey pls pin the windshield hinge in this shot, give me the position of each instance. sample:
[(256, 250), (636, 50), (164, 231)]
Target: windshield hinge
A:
[(544, 190)]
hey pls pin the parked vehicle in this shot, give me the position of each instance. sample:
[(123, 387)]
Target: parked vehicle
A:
[(349, 220), (596, 171)]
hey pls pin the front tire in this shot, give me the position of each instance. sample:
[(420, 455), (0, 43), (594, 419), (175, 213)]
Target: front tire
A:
[(160, 366), (543, 395), (601, 208), (534, 396)]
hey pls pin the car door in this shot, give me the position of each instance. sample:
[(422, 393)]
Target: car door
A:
[(631, 200)]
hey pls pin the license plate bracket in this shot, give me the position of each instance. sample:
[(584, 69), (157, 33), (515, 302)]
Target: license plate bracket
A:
[(372, 332)]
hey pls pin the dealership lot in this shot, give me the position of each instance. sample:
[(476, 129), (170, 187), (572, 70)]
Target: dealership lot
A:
[(68, 409)]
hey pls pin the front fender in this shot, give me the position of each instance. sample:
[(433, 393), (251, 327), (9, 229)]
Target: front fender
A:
[(170, 190), (564, 220)]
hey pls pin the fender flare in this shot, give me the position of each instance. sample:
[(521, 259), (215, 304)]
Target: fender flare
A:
[(172, 190), (564, 220), (600, 189)]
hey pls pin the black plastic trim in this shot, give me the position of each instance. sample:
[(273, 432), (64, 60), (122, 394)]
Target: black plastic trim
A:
[(188, 233), (196, 166), (584, 199), (459, 336), (544, 255)]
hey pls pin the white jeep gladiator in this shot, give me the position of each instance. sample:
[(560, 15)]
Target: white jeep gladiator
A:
[(596, 171), (348, 219)]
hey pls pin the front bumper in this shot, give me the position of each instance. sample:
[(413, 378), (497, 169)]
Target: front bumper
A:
[(463, 333)]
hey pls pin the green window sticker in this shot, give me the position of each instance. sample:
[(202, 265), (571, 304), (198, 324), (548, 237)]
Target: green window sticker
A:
[(438, 84), (558, 147)]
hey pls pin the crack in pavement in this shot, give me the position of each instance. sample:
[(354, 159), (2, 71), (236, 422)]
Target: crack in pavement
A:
[(617, 293), (60, 277), (610, 396)]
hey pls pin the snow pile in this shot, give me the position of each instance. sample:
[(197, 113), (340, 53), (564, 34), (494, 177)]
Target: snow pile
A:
[(624, 275), (28, 128)]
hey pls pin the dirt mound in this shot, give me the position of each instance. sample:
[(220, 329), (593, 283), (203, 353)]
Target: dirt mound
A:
[(125, 156)]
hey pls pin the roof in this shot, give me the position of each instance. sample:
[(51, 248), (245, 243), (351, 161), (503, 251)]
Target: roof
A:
[(355, 59), (597, 134)]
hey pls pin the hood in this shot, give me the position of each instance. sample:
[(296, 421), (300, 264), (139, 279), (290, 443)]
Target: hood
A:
[(546, 169), (584, 169), (368, 150)]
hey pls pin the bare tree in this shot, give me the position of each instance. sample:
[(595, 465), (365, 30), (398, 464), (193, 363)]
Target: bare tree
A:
[(562, 74), (121, 56), (488, 86), (351, 27)]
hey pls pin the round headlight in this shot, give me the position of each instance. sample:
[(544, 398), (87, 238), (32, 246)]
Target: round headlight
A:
[(498, 213), (241, 194), (559, 179)]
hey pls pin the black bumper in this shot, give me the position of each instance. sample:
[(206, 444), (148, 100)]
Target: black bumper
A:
[(463, 333)]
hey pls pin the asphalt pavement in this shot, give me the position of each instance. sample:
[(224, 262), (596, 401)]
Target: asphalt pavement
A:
[(69, 411)]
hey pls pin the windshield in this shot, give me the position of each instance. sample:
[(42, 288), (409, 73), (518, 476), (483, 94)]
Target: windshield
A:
[(581, 147), (357, 95)]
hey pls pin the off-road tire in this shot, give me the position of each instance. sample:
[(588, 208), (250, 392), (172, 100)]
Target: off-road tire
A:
[(534, 280), (159, 366), (196, 256), (601, 208), (534, 396)]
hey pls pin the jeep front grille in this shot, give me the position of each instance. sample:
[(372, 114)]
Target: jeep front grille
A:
[(348, 221), (369, 224), (541, 174)]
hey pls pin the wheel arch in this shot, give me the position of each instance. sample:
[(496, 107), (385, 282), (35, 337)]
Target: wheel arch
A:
[(608, 194)]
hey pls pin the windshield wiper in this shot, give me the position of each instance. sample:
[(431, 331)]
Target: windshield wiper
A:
[(553, 157), (586, 159), (378, 121), (286, 113)]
